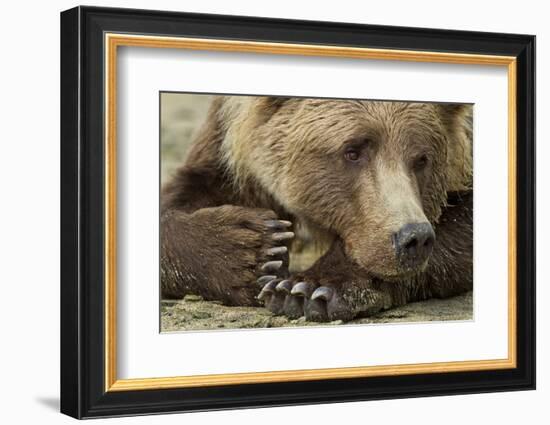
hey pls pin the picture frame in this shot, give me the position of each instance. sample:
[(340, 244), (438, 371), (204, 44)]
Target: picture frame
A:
[(90, 40)]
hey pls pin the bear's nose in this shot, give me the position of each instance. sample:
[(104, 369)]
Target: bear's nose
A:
[(413, 244)]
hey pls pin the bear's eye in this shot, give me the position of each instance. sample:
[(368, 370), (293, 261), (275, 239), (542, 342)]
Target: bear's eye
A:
[(352, 155), (421, 163)]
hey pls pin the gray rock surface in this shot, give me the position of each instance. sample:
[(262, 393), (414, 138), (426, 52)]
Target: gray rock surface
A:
[(193, 313)]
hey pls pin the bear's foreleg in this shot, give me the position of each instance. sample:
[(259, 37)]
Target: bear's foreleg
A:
[(450, 268), (220, 252), (334, 288)]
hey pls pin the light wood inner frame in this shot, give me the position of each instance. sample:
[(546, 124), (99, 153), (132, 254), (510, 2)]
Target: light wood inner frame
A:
[(113, 41)]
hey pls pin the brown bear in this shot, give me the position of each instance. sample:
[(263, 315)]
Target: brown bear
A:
[(382, 190)]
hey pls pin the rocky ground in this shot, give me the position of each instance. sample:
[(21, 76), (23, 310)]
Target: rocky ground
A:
[(193, 313)]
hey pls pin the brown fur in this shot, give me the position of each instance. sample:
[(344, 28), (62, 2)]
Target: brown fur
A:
[(257, 158)]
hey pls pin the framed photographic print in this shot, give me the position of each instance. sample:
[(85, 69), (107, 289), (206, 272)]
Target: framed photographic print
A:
[(261, 212)]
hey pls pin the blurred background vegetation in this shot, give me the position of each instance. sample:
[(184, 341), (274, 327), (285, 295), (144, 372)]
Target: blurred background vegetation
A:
[(180, 118)]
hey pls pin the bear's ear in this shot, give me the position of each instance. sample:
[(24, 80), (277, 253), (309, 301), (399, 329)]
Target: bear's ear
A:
[(452, 112), (267, 106), (457, 120), (452, 108)]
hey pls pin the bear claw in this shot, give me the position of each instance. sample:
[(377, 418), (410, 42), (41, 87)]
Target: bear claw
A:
[(274, 301), (272, 263), (293, 307), (282, 236), (268, 289), (278, 224), (262, 280), (284, 286), (323, 292), (302, 289), (272, 266), (315, 310), (278, 250), (295, 300)]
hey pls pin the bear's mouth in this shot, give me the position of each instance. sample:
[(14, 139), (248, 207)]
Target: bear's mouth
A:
[(402, 273)]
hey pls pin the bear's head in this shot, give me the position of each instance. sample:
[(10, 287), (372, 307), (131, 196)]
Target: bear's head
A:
[(374, 173)]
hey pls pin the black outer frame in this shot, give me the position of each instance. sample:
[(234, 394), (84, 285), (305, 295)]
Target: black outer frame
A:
[(82, 212)]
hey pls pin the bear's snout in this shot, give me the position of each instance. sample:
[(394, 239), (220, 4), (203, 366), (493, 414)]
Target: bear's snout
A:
[(413, 244)]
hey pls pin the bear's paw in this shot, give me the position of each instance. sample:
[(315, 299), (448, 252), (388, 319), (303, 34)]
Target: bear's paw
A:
[(325, 302)]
